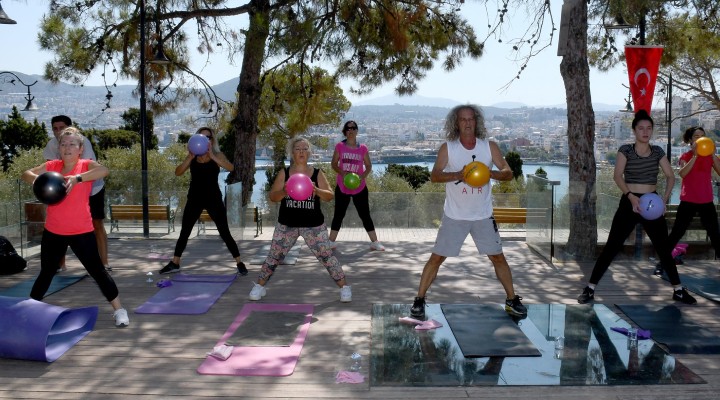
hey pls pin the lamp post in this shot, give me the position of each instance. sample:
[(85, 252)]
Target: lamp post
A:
[(30, 106), (161, 60), (4, 19)]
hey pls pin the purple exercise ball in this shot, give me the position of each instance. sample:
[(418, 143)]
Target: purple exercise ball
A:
[(652, 206), (198, 144)]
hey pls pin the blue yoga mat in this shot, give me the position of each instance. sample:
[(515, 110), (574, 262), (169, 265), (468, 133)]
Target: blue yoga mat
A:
[(33, 330), (188, 294), (59, 283)]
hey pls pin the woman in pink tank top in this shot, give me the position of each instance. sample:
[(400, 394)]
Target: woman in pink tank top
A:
[(352, 157)]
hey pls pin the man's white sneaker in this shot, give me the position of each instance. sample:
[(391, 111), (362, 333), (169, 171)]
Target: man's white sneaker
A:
[(257, 292), (345, 294), (121, 318), (377, 246)]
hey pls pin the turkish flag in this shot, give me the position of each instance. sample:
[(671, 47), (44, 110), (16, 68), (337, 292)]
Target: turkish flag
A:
[(643, 63)]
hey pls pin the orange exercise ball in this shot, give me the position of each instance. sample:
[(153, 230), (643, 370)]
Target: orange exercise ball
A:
[(705, 146), (476, 174)]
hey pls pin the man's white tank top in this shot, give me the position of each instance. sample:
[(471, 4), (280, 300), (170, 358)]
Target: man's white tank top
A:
[(464, 202)]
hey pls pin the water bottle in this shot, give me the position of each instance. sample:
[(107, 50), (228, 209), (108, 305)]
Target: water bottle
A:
[(356, 362), (632, 339), (150, 279)]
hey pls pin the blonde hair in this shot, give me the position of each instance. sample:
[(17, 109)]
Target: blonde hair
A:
[(73, 132), (291, 144)]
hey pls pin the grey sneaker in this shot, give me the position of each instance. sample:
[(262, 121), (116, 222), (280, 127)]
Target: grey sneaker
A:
[(257, 292), (345, 294), (515, 307), (170, 268)]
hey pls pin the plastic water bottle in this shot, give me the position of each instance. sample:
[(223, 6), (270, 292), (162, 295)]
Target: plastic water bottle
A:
[(356, 362), (150, 279)]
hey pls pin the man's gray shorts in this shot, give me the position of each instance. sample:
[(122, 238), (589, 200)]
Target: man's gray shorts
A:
[(453, 232)]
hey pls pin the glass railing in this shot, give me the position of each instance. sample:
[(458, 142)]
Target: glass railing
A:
[(546, 231)]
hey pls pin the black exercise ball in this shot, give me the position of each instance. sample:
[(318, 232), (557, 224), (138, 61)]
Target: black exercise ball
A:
[(49, 187)]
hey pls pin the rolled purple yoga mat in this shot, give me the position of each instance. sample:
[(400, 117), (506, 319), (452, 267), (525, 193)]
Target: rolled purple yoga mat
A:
[(33, 330)]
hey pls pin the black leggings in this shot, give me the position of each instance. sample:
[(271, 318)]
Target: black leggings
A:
[(362, 205), (686, 211), (84, 245), (216, 210), (623, 223)]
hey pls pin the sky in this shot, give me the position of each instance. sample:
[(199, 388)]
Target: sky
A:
[(475, 81)]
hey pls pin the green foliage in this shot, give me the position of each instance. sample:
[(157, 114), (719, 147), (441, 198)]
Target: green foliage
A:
[(16, 134), (540, 172), (611, 157), (131, 119), (25, 160), (104, 139), (513, 159), (414, 175)]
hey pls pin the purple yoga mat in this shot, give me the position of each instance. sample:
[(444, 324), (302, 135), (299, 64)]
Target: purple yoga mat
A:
[(33, 330), (260, 361), (188, 294)]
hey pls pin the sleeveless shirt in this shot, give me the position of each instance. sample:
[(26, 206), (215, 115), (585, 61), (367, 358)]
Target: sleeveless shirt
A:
[(351, 160), (204, 179), (464, 202), (301, 213)]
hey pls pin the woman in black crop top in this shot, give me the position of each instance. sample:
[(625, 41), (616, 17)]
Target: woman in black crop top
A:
[(301, 218), (635, 174), (204, 194)]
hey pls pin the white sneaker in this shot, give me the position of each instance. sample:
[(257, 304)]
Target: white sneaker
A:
[(257, 292), (121, 318), (345, 294), (377, 246)]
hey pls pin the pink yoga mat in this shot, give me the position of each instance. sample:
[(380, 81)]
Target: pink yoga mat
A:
[(260, 361)]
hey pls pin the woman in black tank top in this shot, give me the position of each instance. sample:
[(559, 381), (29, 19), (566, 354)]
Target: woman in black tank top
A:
[(300, 218), (204, 194)]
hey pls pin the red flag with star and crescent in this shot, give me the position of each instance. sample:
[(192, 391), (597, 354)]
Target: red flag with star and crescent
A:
[(643, 63)]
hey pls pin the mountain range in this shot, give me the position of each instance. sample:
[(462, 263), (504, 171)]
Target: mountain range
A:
[(226, 90)]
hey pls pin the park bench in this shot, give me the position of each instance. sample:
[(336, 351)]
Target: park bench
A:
[(695, 225), (133, 212), (516, 215), (205, 217)]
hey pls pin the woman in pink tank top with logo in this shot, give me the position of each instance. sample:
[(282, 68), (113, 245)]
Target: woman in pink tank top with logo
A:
[(352, 157)]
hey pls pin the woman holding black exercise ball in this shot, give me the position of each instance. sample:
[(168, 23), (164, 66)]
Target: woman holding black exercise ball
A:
[(69, 223)]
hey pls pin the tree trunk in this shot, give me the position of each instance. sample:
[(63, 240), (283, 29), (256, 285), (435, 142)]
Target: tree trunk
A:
[(244, 126), (582, 240)]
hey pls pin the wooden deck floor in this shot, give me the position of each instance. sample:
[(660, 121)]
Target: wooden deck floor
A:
[(157, 355)]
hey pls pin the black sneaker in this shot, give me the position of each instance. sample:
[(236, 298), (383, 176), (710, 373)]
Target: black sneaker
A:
[(586, 296), (658, 269), (514, 306), (242, 271), (170, 268), (418, 308), (683, 296)]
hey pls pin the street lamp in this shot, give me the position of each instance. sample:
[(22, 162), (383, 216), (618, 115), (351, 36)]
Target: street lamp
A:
[(30, 106), (4, 19), (161, 60)]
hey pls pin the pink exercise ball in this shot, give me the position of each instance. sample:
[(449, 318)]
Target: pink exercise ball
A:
[(299, 187)]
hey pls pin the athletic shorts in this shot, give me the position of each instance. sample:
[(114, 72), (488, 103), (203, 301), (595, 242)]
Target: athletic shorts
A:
[(453, 232), (97, 205)]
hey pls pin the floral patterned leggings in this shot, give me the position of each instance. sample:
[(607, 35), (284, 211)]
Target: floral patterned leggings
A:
[(316, 238)]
